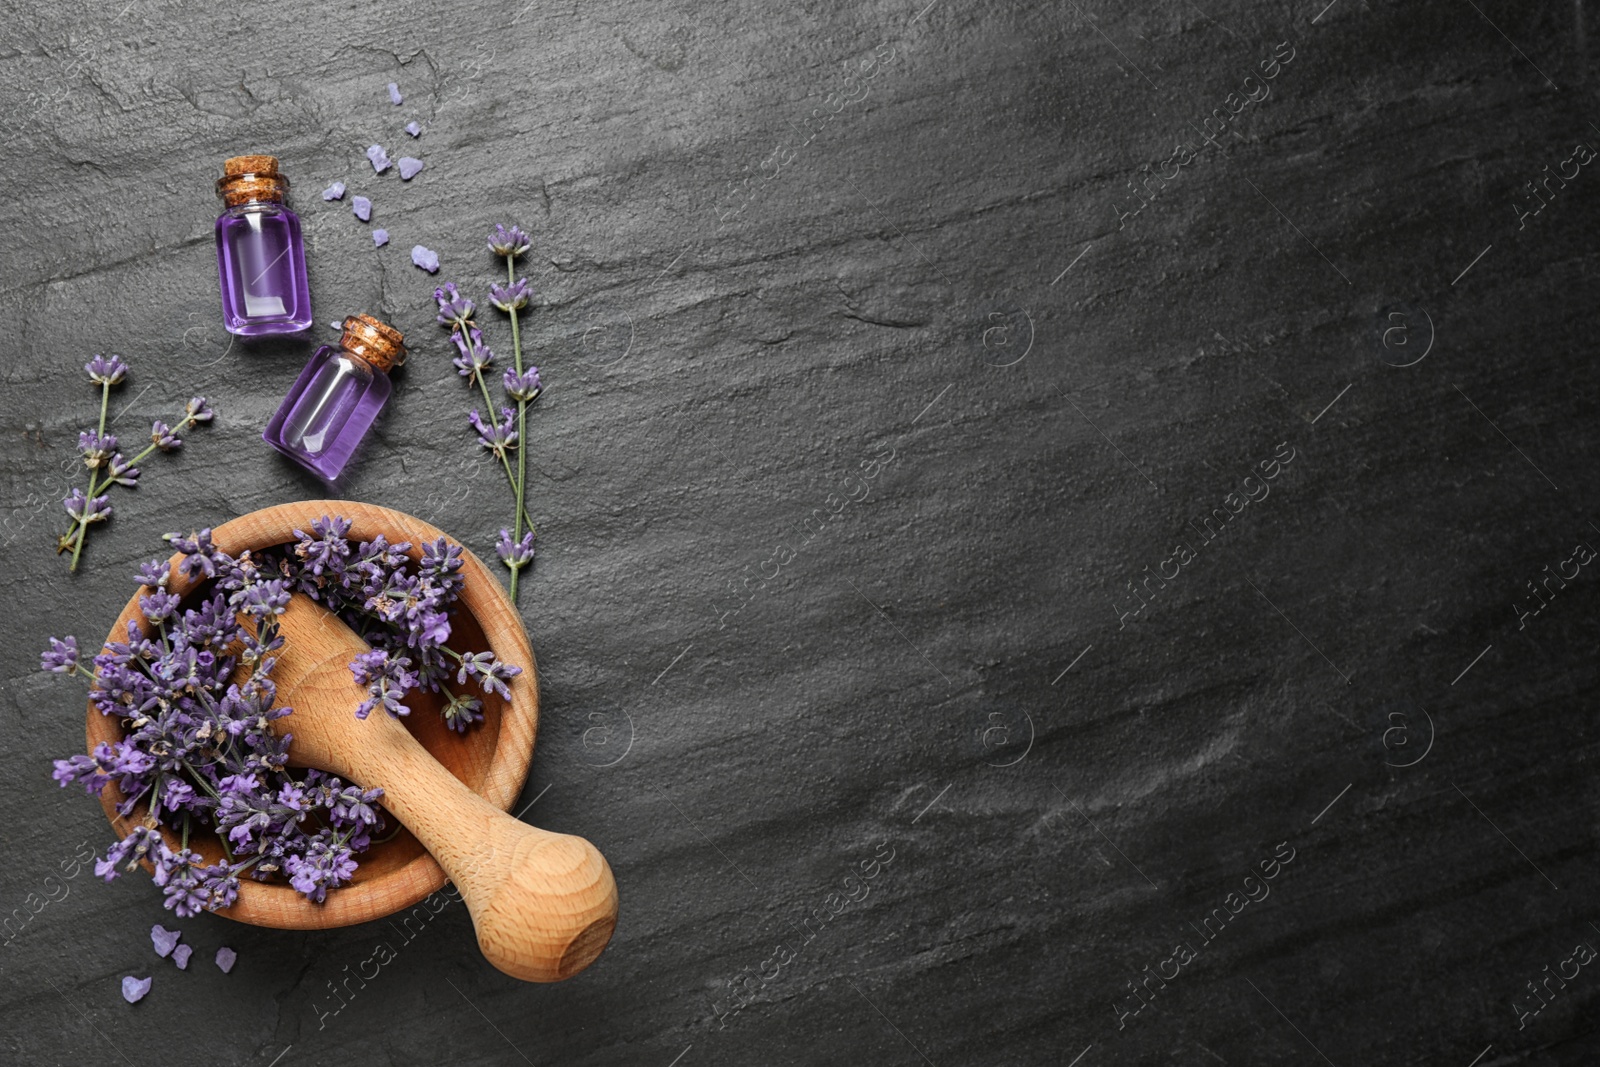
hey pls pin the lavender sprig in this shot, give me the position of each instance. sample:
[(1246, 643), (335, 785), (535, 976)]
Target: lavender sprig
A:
[(522, 386), (106, 465)]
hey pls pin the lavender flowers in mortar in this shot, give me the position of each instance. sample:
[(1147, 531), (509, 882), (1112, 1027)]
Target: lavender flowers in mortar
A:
[(199, 752), (504, 433)]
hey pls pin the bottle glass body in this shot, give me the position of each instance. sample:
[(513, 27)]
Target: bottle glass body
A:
[(328, 411), (262, 262)]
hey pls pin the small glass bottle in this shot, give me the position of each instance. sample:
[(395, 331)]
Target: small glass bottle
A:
[(260, 255), (337, 397)]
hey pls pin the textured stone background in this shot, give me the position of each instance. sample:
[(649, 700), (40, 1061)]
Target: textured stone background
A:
[(760, 265)]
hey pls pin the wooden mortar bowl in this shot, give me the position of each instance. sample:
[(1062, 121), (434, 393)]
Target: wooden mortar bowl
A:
[(491, 758)]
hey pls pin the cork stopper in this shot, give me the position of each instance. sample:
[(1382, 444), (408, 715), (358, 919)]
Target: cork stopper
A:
[(374, 341), (247, 178)]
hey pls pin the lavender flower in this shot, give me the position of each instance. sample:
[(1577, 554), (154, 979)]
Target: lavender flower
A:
[(87, 511), (515, 295), (498, 437), (96, 448), (488, 672), (379, 158), (362, 207), (121, 471), (455, 310), (409, 167), (426, 258), (154, 574), (387, 678), (523, 386), (62, 657), (475, 356), (334, 191), (461, 712), (326, 865), (197, 410), (159, 606), (515, 553), (106, 370), (162, 436), (142, 842), (508, 241)]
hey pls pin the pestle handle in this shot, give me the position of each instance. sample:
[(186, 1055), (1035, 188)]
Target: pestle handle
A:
[(544, 904)]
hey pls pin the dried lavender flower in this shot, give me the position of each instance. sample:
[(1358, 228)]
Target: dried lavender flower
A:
[(515, 554), (96, 448), (522, 387), (508, 241), (498, 437), (104, 370), (386, 678), (62, 657), (512, 296), (455, 310), (162, 437)]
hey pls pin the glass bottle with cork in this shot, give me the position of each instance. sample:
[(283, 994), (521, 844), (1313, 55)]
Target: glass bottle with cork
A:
[(337, 397), (260, 254)]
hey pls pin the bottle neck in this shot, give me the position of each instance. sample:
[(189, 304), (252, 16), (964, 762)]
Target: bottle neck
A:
[(260, 206)]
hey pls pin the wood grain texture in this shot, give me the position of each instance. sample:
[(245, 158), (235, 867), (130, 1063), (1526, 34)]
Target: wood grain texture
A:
[(544, 904), (491, 760)]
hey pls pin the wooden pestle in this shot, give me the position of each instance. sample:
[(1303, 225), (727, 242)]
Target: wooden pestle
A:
[(544, 904)]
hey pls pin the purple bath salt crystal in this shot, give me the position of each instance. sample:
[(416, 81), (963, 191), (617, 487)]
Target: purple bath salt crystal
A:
[(362, 207), (225, 958), (164, 940), (180, 956), (379, 158), (380, 238), (413, 129), (334, 191), (426, 258), (134, 989), (409, 168), (394, 95)]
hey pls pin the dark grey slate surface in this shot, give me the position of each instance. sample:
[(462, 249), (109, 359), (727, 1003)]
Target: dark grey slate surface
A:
[(933, 270)]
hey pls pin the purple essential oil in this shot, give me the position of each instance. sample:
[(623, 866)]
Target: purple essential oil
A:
[(337, 397), (260, 255)]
